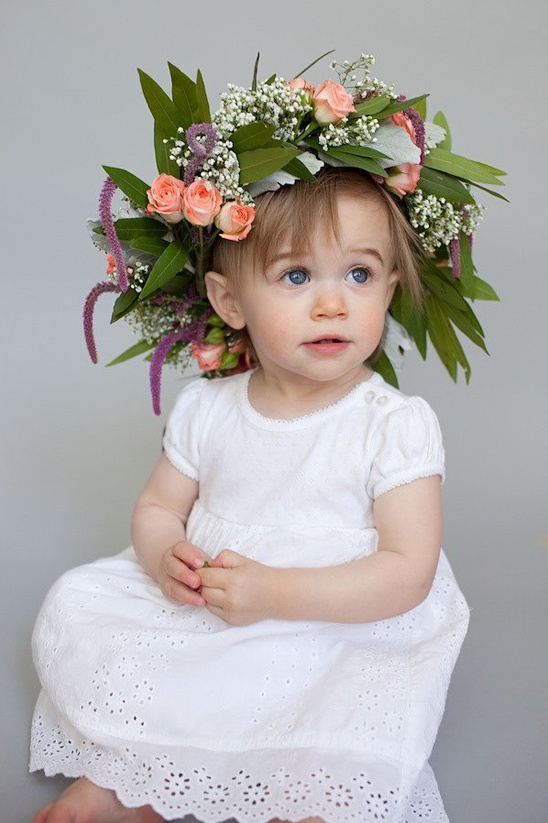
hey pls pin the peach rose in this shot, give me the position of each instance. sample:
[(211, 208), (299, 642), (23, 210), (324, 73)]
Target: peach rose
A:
[(208, 355), (402, 120), (165, 197), (111, 264), (331, 102), (405, 179), (235, 220), (202, 202), (300, 84)]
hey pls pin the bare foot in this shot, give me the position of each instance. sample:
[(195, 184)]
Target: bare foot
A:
[(84, 802)]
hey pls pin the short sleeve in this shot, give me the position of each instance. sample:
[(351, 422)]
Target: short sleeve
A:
[(181, 442), (405, 446)]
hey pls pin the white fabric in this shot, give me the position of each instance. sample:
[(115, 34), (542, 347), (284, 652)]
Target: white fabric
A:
[(170, 705)]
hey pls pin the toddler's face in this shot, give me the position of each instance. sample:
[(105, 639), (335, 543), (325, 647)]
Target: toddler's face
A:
[(318, 317)]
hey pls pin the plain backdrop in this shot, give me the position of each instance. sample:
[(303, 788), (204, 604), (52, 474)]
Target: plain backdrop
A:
[(79, 440)]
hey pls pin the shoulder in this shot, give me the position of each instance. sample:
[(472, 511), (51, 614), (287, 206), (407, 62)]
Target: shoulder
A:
[(391, 408), (200, 394)]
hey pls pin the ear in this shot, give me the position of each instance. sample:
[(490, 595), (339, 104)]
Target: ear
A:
[(393, 280), (223, 299)]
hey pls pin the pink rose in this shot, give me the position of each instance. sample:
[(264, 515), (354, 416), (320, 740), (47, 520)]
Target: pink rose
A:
[(405, 179), (202, 201), (299, 84), (331, 102), (208, 355), (111, 264), (402, 120), (235, 220), (165, 197)]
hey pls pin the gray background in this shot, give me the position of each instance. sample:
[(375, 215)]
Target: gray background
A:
[(79, 440)]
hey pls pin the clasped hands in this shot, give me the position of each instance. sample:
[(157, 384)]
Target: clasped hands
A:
[(235, 588)]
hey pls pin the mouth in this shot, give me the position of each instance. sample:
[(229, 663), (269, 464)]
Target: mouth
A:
[(328, 339), (327, 344)]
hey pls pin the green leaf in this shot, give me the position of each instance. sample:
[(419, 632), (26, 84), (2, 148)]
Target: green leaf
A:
[(131, 185), (483, 290), (215, 335), (441, 120), (270, 79), (133, 351), (357, 162), (466, 266), (183, 90), (251, 136), (444, 288), (458, 166), (259, 163), (298, 169), (152, 245), (127, 228), (444, 339), (462, 321), (317, 60), (490, 191), (255, 72), (166, 267), (123, 304), (420, 108), (161, 106), (396, 106), (164, 163), (412, 318), (203, 112), (443, 185), (364, 151), (372, 106), (385, 368)]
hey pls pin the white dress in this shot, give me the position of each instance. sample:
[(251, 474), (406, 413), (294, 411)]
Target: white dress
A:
[(171, 706)]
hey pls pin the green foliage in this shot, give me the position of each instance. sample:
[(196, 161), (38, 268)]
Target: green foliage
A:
[(128, 228), (395, 106), (164, 163), (161, 106), (440, 120), (446, 161), (385, 368), (203, 113), (183, 91), (123, 304), (168, 264), (131, 185), (251, 136), (259, 163), (152, 245), (443, 185), (134, 351)]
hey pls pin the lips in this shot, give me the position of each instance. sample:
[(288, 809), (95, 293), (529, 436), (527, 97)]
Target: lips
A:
[(327, 338), (327, 344)]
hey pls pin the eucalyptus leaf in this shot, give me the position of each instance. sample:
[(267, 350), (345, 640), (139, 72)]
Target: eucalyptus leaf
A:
[(183, 90), (443, 185), (161, 106), (201, 100), (133, 351), (123, 304), (132, 186), (440, 120), (396, 106), (168, 264), (251, 136), (127, 228), (446, 161), (259, 163), (152, 245), (164, 163)]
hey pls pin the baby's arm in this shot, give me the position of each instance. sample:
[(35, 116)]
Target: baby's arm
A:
[(389, 582), (158, 533)]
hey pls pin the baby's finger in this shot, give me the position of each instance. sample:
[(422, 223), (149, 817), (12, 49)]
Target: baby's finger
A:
[(179, 571), (191, 555), (182, 594)]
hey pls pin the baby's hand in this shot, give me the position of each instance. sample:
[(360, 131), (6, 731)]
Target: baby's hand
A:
[(176, 576)]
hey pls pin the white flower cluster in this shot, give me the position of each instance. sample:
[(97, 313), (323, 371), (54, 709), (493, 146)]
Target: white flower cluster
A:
[(437, 221), (222, 169), (137, 273), (358, 133), (151, 321), (275, 103), (347, 77)]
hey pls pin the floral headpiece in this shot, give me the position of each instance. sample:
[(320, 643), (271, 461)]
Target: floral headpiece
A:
[(269, 135)]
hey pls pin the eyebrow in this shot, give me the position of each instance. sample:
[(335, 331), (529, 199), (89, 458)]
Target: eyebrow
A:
[(288, 255)]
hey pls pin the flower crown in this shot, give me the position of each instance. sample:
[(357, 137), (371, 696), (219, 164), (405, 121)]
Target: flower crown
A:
[(272, 134)]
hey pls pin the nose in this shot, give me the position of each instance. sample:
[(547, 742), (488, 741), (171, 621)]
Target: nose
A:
[(328, 303)]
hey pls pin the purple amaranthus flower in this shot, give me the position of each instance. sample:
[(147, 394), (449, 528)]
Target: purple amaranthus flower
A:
[(454, 251), (89, 307), (105, 213), (201, 151), (182, 334)]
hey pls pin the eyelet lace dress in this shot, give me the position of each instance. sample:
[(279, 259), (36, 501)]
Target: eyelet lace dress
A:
[(171, 706)]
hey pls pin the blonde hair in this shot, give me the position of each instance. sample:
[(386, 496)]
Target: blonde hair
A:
[(292, 212)]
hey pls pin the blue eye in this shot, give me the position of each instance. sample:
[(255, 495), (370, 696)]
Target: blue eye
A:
[(296, 277), (358, 275)]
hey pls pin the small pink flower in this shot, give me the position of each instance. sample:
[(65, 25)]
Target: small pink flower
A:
[(402, 120), (300, 84), (208, 355), (405, 179), (165, 197), (202, 202), (111, 264), (331, 102), (235, 221)]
